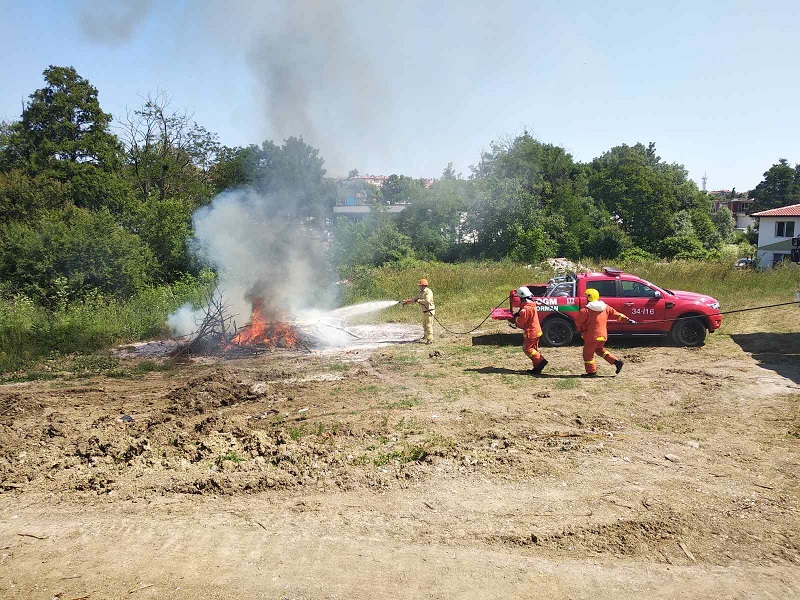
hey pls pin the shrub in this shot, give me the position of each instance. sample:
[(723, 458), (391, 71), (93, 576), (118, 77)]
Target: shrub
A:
[(635, 256), (70, 253)]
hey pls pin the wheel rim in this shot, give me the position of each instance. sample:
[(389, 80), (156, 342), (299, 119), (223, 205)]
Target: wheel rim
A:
[(690, 333), (558, 333)]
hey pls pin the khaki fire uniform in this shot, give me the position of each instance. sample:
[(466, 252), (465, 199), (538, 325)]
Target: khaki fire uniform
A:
[(425, 300), (592, 322)]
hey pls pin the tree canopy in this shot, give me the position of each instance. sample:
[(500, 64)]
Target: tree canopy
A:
[(780, 187), (93, 206)]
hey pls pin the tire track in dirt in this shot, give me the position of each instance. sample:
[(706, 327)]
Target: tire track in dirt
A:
[(223, 555)]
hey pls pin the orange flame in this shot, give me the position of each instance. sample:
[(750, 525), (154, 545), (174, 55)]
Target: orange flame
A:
[(263, 331)]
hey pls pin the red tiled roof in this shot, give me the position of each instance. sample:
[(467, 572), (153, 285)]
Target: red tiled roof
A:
[(785, 211)]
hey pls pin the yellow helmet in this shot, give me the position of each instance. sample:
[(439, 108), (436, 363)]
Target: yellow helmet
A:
[(423, 281), (592, 295)]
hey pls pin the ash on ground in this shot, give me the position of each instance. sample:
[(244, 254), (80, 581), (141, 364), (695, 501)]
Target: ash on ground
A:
[(356, 337)]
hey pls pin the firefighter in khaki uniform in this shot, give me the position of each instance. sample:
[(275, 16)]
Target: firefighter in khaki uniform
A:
[(425, 299), (592, 322), (527, 319)]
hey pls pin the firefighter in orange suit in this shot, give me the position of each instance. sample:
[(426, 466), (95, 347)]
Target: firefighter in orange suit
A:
[(527, 319), (592, 322), (425, 299)]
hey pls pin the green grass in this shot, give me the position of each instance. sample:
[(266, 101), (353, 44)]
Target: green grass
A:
[(28, 332), (462, 290), (408, 453), (465, 292), (338, 366), (405, 403), (230, 455), (566, 384)]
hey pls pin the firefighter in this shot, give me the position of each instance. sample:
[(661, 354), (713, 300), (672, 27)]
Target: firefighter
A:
[(591, 321), (527, 319), (425, 300)]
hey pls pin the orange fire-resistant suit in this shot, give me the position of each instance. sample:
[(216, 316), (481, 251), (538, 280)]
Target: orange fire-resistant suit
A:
[(592, 322), (527, 319)]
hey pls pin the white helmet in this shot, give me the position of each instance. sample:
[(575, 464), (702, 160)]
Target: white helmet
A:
[(524, 293)]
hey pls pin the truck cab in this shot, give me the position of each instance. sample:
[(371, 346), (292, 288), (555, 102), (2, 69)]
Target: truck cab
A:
[(685, 316)]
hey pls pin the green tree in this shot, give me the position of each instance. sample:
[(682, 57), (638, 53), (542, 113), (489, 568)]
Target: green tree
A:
[(22, 195), (682, 223), (608, 242), (168, 154), (400, 189), (373, 242), (435, 222), (64, 135), (292, 175), (165, 225), (643, 196), (682, 246), (705, 230), (725, 222), (780, 187), (70, 252), (449, 173)]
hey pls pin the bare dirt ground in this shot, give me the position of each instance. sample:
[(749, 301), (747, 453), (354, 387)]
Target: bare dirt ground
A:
[(410, 471)]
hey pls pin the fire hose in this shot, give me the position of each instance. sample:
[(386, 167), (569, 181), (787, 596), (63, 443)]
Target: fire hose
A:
[(717, 314)]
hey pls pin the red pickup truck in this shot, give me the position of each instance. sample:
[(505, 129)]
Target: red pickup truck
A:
[(653, 308)]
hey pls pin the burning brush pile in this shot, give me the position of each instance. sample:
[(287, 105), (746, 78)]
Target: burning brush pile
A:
[(218, 334)]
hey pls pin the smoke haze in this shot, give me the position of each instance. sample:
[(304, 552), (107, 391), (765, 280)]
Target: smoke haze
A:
[(257, 254), (112, 21), (312, 77)]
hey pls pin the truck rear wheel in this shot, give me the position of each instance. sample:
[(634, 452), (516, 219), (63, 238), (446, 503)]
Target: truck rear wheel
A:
[(557, 332), (689, 332)]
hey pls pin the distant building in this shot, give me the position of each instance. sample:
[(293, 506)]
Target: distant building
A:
[(376, 180), (776, 228), (740, 205), (357, 204), (361, 211)]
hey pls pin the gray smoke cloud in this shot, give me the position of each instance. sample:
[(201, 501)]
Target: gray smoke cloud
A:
[(257, 255), (316, 78), (313, 78), (112, 22)]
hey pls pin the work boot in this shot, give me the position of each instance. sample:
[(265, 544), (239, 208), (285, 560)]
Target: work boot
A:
[(537, 370), (618, 364), (589, 375)]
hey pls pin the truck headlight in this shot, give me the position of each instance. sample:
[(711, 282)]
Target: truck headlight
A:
[(714, 305)]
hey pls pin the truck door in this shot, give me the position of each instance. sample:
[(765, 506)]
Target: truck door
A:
[(642, 303), (609, 293)]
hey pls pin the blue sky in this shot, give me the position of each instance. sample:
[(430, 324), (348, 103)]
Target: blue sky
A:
[(410, 87)]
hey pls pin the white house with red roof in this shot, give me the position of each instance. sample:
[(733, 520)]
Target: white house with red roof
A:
[(776, 228)]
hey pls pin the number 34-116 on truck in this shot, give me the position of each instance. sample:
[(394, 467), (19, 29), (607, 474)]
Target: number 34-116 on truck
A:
[(684, 316)]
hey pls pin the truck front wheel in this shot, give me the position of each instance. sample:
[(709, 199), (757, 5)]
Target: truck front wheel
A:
[(689, 332), (557, 332)]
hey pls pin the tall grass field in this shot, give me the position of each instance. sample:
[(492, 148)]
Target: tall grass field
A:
[(464, 293), (29, 332)]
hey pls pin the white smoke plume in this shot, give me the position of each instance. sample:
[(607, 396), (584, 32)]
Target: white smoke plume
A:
[(259, 251)]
